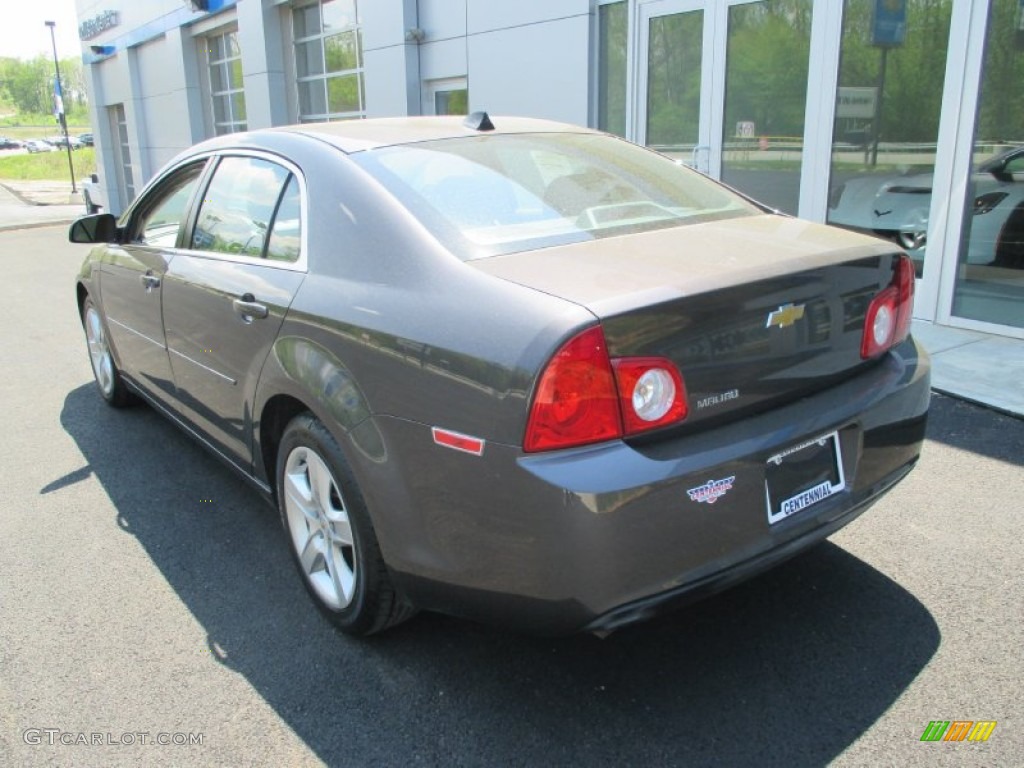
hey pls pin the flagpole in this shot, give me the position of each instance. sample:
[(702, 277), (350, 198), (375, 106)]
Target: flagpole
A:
[(60, 113)]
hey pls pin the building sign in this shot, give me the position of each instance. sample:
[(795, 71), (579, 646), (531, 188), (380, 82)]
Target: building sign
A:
[(745, 129), (859, 103), (98, 24), (889, 24)]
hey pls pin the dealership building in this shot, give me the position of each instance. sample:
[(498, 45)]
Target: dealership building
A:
[(901, 117)]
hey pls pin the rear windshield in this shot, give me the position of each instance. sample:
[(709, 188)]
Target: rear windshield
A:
[(488, 195)]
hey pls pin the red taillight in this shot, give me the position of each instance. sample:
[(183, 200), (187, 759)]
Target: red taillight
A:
[(904, 282), (887, 322), (576, 401), (651, 393), (585, 397)]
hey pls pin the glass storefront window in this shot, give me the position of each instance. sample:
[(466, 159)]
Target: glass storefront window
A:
[(884, 142), (990, 273), (125, 176), (674, 65), (613, 23), (226, 89), (328, 60), (453, 102), (767, 55)]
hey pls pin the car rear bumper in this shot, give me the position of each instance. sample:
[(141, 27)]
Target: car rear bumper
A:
[(595, 538), (649, 607)]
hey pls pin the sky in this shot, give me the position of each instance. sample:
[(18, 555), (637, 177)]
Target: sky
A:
[(23, 33)]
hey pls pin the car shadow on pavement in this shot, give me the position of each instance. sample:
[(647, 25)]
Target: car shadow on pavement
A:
[(958, 423), (787, 669)]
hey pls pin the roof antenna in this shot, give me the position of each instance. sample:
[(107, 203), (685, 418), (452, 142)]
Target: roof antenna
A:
[(479, 121)]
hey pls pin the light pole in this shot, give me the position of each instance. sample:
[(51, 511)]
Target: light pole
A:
[(60, 113)]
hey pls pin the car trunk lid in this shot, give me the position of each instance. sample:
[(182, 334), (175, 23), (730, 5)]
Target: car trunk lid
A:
[(754, 311)]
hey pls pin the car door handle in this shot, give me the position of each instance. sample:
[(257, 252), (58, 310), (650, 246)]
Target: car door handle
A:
[(150, 281), (249, 309)]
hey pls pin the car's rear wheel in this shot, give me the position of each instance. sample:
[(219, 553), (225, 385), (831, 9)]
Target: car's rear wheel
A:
[(104, 369), (914, 233), (332, 539), (911, 241), (1010, 246)]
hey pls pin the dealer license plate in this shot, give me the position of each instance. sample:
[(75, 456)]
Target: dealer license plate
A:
[(803, 476)]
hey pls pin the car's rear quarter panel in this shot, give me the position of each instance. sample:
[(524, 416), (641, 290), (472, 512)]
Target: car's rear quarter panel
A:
[(552, 541)]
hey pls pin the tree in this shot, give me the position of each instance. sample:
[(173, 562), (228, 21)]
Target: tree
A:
[(1001, 107), (28, 85)]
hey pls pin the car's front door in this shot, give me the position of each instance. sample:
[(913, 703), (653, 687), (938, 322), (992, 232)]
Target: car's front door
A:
[(132, 275), (226, 294)]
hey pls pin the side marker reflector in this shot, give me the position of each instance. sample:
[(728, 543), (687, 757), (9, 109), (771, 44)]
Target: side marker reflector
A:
[(458, 442)]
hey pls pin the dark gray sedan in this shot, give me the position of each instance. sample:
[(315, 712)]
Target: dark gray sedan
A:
[(520, 372)]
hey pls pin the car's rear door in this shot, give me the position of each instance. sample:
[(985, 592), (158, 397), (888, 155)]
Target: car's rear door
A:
[(132, 274), (226, 294)]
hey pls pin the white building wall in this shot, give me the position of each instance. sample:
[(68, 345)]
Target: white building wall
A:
[(442, 19), (261, 38), (486, 15), (165, 98), (549, 76), (444, 59), (528, 58), (390, 61)]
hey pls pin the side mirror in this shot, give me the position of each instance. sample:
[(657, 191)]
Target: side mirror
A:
[(97, 228)]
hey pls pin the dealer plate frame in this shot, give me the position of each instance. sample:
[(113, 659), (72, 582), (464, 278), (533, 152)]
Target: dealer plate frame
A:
[(812, 495)]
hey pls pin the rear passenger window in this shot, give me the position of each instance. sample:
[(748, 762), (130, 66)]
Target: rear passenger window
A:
[(238, 208), (284, 237)]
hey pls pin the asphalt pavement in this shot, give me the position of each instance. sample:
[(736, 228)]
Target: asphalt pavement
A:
[(146, 595)]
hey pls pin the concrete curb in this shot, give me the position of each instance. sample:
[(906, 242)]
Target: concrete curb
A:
[(36, 224), (977, 400), (20, 196)]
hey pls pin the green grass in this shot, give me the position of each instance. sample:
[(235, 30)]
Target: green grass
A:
[(9, 119), (39, 130), (49, 166)]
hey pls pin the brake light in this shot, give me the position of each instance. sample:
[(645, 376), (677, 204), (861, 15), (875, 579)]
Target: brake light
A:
[(576, 401), (887, 322), (904, 281), (586, 397)]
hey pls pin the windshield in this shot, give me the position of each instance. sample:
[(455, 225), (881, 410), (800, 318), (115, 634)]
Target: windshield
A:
[(488, 195)]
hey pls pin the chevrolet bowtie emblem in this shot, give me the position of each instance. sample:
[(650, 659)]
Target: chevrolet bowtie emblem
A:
[(785, 315)]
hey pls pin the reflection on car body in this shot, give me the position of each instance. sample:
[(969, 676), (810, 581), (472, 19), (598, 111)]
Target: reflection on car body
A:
[(532, 375)]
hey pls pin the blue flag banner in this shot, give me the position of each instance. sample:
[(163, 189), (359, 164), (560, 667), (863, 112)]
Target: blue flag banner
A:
[(889, 25), (58, 99)]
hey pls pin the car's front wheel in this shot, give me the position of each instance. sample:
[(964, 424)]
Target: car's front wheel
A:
[(332, 539), (104, 369)]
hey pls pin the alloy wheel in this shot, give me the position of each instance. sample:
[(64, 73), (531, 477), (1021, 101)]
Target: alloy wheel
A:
[(319, 526), (99, 352)]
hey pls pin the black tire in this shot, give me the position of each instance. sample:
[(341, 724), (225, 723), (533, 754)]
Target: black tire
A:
[(90, 206), (1010, 246), (344, 571), (104, 368)]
